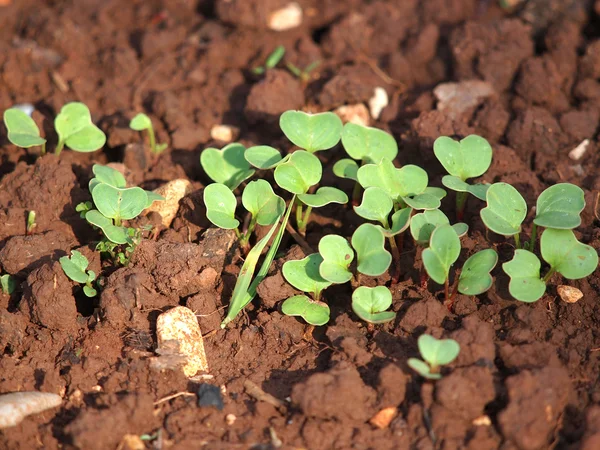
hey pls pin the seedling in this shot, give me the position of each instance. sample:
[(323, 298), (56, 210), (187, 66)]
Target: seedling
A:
[(303, 75), (371, 304), (7, 284), (142, 122), (475, 277), (311, 132), (468, 158), (272, 60), (22, 130), (75, 129), (227, 166), (30, 222), (505, 211), (304, 275), (562, 251), (442, 253), (75, 268), (435, 353)]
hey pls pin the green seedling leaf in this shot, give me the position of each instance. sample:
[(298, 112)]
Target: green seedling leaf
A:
[(153, 197), (301, 171), (461, 229), (89, 291), (559, 207), (274, 58), (475, 277), (566, 255), (22, 130), (469, 158), (140, 122), (423, 201), (260, 200), (311, 132), (324, 196), (408, 181), (370, 304), (376, 205), (227, 166), (304, 275), (346, 168), (524, 272), (75, 129), (423, 369), (505, 211), (337, 256), (437, 352), (7, 284), (75, 267), (314, 313), (442, 253), (423, 224), (220, 206), (368, 144), (108, 175), (115, 234), (119, 204), (400, 222), (458, 185), (435, 191), (369, 242), (263, 157)]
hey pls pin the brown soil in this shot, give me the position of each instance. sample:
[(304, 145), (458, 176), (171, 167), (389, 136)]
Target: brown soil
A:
[(527, 377)]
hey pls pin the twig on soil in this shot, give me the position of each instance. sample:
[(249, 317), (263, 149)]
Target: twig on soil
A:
[(210, 314), (596, 212), (254, 391), (172, 396), (306, 248)]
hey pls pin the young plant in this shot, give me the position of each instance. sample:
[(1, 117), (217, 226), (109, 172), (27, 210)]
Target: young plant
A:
[(442, 253), (475, 277), (304, 275), (303, 75), (371, 304), (435, 353), (271, 61), (7, 284), (227, 166), (30, 222), (311, 132), (469, 158), (505, 211), (562, 251), (22, 130), (142, 122), (75, 268)]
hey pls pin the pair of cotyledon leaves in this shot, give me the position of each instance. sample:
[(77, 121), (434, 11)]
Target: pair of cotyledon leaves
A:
[(435, 353)]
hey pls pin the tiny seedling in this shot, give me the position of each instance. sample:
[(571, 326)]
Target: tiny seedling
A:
[(371, 304), (7, 284), (311, 132), (227, 166), (75, 268), (469, 158), (303, 75), (337, 257), (304, 275), (22, 130), (475, 277), (505, 211), (142, 122), (435, 353), (75, 129), (272, 60), (31, 224), (442, 253)]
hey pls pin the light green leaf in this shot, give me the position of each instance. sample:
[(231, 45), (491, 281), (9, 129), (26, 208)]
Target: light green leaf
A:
[(368, 144), (423, 202), (311, 132), (475, 277), (304, 274), (437, 352), (469, 158), (505, 211), (7, 284), (227, 166), (301, 171), (423, 224), (337, 256), (117, 235), (370, 304), (314, 313), (346, 168), (259, 199), (324, 196), (423, 369), (75, 266), (369, 242), (220, 206), (22, 130), (75, 128), (524, 272), (153, 197), (408, 181), (89, 291), (442, 253), (559, 207), (435, 191), (263, 157), (140, 122), (376, 205), (458, 185), (566, 255), (400, 222), (119, 204), (108, 175)]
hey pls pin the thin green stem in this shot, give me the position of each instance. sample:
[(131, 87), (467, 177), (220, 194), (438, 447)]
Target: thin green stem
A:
[(447, 289), (59, 148), (517, 240), (461, 201), (118, 222), (44, 148), (356, 191), (533, 237), (306, 216), (551, 272), (152, 138)]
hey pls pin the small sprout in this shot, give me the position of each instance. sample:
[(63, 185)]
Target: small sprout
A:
[(142, 122), (369, 145), (301, 171), (227, 166), (259, 199), (468, 158), (337, 256), (346, 168), (436, 353), (7, 284), (371, 304), (22, 130), (119, 204), (220, 206), (75, 268), (505, 211), (524, 272), (75, 129), (560, 207), (372, 257), (264, 157), (313, 312), (311, 132), (442, 253), (376, 205), (107, 175), (303, 74), (272, 60), (30, 222), (115, 234), (423, 224), (475, 277), (566, 255)]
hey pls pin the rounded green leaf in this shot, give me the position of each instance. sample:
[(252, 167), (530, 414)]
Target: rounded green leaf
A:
[(435, 191), (75, 128), (301, 171), (119, 204), (22, 130), (505, 211), (369, 242), (274, 58), (314, 313), (461, 229), (559, 207), (443, 251), (422, 368), (311, 132), (75, 266), (566, 255), (346, 168), (469, 158), (227, 166), (259, 199), (368, 144), (475, 277), (408, 181), (400, 222), (458, 185), (89, 291), (324, 196), (263, 156), (304, 274), (153, 197), (370, 304), (423, 224), (437, 352), (140, 122), (108, 175), (524, 272), (423, 202), (220, 206), (117, 235), (337, 256), (376, 205)]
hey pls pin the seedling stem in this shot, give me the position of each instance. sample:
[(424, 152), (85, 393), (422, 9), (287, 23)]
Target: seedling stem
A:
[(517, 240), (549, 275), (533, 237), (461, 202)]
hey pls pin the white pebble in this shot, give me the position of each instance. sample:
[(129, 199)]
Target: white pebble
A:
[(224, 133), (580, 150), (173, 192), (569, 294), (356, 114), (289, 16), (16, 406), (378, 102)]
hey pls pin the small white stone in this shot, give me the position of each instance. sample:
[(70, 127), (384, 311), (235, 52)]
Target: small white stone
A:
[(173, 192), (357, 114), (180, 324), (482, 421), (378, 102), (569, 294), (230, 419), (224, 133), (290, 16), (455, 99), (16, 406), (580, 150)]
